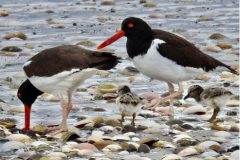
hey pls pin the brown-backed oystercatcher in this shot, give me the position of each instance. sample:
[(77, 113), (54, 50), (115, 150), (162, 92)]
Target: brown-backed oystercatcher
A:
[(163, 56), (59, 71)]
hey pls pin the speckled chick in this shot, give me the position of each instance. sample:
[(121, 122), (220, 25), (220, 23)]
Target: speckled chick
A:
[(128, 103), (215, 98)]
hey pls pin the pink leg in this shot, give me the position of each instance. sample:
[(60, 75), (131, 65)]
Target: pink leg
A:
[(66, 109), (158, 100)]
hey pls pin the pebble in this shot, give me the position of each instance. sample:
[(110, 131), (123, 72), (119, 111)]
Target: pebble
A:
[(195, 110), (143, 148), (209, 153), (87, 43), (188, 152), (108, 88), (39, 143), (224, 45), (8, 123), (149, 5), (107, 2), (40, 129), (19, 138), (132, 148), (57, 156), (163, 144), (10, 146), (120, 138), (4, 13), (12, 49), (128, 128), (207, 144), (217, 36), (85, 146), (148, 140), (19, 35), (86, 152), (234, 155), (112, 148), (171, 157)]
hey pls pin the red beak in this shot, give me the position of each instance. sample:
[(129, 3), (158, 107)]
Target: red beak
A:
[(112, 39), (27, 117)]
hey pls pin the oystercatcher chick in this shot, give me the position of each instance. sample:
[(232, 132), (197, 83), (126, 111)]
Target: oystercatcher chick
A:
[(128, 103), (59, 71), (163, 56), (215, 98)]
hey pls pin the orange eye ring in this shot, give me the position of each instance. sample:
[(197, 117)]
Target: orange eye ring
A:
[(130, 25)]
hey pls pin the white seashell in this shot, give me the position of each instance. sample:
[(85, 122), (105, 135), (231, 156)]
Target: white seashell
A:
[(134, 144), (188, 152), (234, 155), (171, 157), (11, 145), (163, 144), (107, 128), (222, 134), (120, 137), (123, 153), (67, 148), (112, 148), (205, 145), (181, 136), (210, 153), (135, 139), (85, 152), (194, 109), (129, 134), (19, 137), (38, 143), (56, 155)]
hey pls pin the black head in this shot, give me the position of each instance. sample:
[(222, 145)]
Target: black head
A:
[(123, 89), (194, 92), (27, 93), (136, 28)]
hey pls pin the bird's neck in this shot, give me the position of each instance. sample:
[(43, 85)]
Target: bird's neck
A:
[(139, 45), (197, 98)]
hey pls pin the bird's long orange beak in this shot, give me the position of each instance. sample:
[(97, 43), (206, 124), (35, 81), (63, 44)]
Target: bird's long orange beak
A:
[(112, 39), (27, 117)]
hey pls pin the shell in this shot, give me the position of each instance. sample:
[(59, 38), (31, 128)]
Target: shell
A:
[(19, 137), (194, 110), (171, 157), (112, 148), (188, 152), (207, 144)]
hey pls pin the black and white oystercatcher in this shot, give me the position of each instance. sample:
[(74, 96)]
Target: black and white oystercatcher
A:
[(128, 103), (215, 98), (163, 56), (59, 71)]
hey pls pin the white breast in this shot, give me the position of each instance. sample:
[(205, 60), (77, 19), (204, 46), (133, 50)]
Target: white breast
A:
[(63, 82), (154, 65)]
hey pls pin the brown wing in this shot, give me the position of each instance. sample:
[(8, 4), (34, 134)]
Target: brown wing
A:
[(66, 57), (214, 92), (129, 98), (185, 53)]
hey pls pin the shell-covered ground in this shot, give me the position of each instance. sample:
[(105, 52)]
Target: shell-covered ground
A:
[(28, 27)]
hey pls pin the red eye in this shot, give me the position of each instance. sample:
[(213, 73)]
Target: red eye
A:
[(130, 25)]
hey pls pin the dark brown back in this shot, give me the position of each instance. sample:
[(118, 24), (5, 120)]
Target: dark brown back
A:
[(66, 57)]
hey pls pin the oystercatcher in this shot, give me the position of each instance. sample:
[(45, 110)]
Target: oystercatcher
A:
[(128, 103), (59, 71), (163, 56), (215, 98)]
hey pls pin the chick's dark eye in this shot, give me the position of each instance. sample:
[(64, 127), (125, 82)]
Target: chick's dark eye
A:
[(130, 25), (19, 95)]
